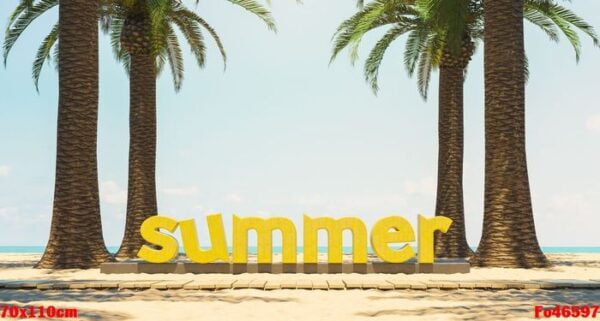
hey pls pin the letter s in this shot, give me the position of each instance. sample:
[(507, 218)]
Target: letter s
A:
[(167, 243)]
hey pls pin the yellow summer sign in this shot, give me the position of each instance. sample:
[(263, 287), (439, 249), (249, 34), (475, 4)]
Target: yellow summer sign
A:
[(391, 229)]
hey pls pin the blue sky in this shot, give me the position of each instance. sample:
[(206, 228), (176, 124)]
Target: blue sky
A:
[(282, 133)]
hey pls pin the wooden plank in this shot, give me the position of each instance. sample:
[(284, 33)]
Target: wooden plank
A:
[(384, 285), (145, 284), (532, 286), (515, 285), (79, 285), (418, 285), (241, 284), (44, 286), (336, 285), (288, 284), (60, 286), (320, 285), (162, 285), (352, 284), (176, 285), (588, 284), (257, 284), (366, 285), (466, 285), (127, 285), (499, 286), (138, 285), (199, 285), (23, 284), (304, 284), (448, 285), (273, 285), (399, 284), (103, 285), (224, 284), (482, 285)]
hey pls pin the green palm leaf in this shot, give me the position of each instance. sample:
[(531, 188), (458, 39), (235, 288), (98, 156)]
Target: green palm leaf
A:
[(43, 54), (197, 19), (260, 11), (174, 57), (373, 62), (24, 19)]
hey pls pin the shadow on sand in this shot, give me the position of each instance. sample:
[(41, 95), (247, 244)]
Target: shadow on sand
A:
[(482, 305)]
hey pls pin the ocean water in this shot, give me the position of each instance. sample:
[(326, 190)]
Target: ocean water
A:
[(321, 249)]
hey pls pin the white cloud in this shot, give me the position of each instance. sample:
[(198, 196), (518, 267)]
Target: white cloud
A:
[(181, 191), (593, 124), (8, 212), (234, 198), (112, 193), (568, 217), (571, 204), (423, 186), (28, 215), (356, 203), (4, 170)]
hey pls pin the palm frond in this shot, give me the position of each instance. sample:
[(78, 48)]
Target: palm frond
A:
[(429, 60), (543, 22), (174, 57), (196, 18), (414, 46), (424, 73), (193, 35), (14, 31), (215, 37), (17, 12), (114, 31), (565, 20), (160, 62), (373, 62), (43, 54), (363, 25), (374, 15), (55, 57), (257, 9)]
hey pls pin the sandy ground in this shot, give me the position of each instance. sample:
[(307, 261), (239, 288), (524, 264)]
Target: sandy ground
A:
[(566, 266), (229, 305), (303, 304)]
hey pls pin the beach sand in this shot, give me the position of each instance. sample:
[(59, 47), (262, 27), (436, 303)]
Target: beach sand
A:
[(305, 304)]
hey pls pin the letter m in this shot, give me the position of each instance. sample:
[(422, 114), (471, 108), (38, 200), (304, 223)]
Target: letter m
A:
[(334, 228), (264, 229)]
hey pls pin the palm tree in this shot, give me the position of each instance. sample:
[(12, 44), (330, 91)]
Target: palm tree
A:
[(76, 239), (144, 40), (509, 237), (438, 40)]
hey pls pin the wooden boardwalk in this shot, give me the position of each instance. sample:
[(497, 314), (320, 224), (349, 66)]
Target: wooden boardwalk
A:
[(304, 284)]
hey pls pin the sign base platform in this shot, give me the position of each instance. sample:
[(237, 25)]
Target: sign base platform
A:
[(443, 266)]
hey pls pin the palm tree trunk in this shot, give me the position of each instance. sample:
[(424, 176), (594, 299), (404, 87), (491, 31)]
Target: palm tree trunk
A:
[(76, 239), (449, 200), (141, 194), (509, 238)]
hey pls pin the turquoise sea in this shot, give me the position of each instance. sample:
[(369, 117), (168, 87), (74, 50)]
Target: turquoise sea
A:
[(322, 249)]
